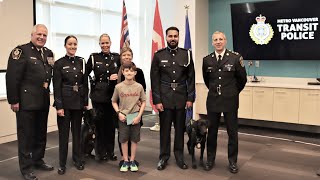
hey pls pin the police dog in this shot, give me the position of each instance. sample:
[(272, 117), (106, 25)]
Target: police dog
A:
[(88, 133), (197, 132)]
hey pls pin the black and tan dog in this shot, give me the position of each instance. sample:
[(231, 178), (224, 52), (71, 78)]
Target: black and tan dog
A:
[(88, 133), (197, 132)]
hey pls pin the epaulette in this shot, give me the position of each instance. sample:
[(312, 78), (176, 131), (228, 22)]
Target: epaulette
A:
[(236, 53), (209, 55), (46, 49), (80, 57), (92, 54), (114, 53), (160, 50)]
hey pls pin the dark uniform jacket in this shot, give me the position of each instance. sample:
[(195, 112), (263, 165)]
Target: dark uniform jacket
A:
[(70, 83), (172, 78), (225, 80), (28, 77), (103, 66)]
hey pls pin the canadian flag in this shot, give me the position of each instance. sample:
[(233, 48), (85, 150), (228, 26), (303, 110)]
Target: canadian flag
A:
[(157, 40)]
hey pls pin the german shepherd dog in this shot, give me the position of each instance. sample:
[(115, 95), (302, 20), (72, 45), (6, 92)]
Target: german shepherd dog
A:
[(197, 132), (88, 133)]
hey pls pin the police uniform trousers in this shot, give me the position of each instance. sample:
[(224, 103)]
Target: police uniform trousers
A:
[(32, 137), (167, 117), (231, 121), (105, 128), (73, 117)]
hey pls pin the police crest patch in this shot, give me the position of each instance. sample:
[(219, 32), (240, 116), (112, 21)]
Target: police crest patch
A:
[(261, 33), (16, 53)]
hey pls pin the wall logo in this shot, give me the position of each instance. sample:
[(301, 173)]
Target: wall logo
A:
[(261, 33)]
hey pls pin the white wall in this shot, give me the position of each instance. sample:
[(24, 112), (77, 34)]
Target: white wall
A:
[(16, 17)]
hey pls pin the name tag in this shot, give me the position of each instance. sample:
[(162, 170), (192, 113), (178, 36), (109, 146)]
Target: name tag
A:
[(33, 58), (66, 67), (164, 60)]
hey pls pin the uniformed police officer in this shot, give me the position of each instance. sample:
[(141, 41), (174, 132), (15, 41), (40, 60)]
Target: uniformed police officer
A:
[(28, 78), (173, 85), (105, 66), (70, 85), (225, 76)]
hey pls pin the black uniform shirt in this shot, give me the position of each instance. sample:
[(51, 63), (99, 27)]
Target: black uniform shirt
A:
[(225, 80), (28, 77), (103, 65), (70, 83), (172, 78)]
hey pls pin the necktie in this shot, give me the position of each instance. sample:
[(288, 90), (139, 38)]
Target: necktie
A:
[(219, 58), (41, 53)]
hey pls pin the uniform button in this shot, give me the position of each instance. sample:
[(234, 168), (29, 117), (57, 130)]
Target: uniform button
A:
[(74, 68), (67, 71), (174, 71), (76, 75), (219, 77), (219, 93), (173, 62), (219, 85), (174, 80), (47, 72), (45, 64), (100, 79), (97, 66), (219, 69), (174, 89), (25, 90), (173, 54), (72, 61), (107, 71), (48, 80), (107, 65), (164, 65), (76, 83)]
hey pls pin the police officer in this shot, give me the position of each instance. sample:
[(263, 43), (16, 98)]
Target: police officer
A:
[(70, 85), (173, 85), (105, 66), (28, 78), (225, 76)]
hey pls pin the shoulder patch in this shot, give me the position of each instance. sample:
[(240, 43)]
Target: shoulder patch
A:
[(241, 61), (16, 53)]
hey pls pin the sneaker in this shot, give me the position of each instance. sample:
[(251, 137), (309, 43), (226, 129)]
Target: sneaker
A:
[(156, 127), (133, 167), (125, 166)]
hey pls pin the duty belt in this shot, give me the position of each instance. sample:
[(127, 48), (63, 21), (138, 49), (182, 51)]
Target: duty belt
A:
[(74, 88), (173, 85)]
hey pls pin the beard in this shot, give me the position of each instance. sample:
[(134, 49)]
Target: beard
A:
[(172, 46)]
